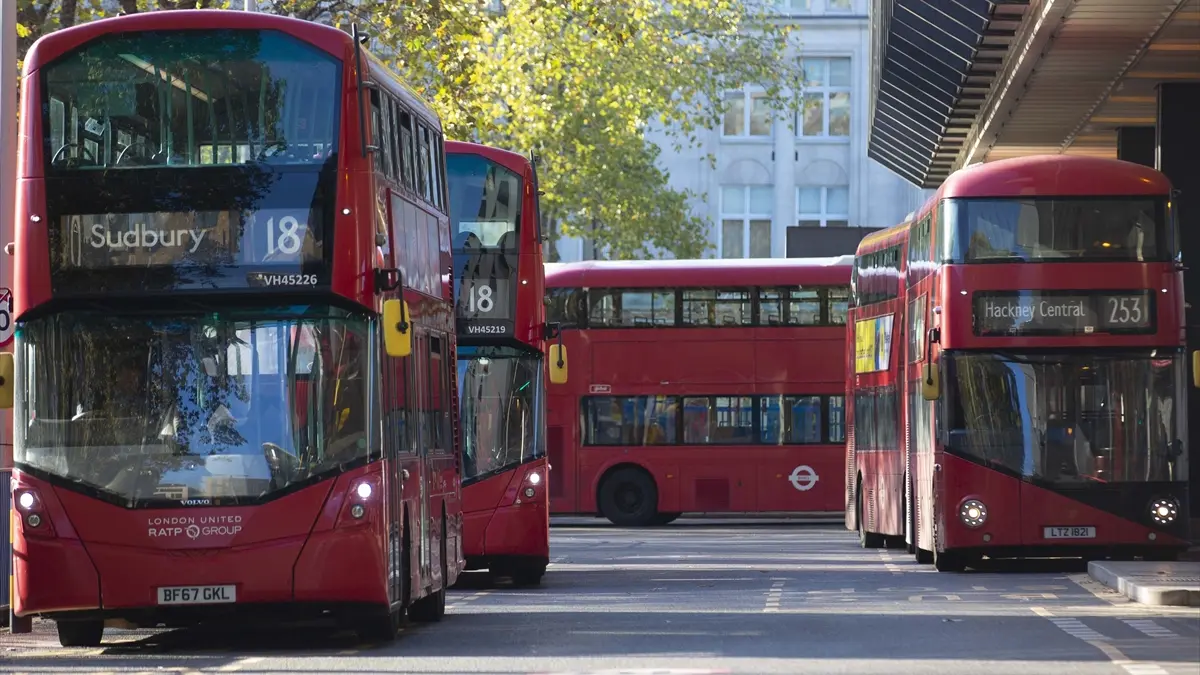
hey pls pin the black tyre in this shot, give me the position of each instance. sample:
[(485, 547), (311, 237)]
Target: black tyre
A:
[(432, 608), (529, 574), (910, 514), (80, 633), (629, 498), (949, 561), (666, 518), (865, 539), (379, 629)]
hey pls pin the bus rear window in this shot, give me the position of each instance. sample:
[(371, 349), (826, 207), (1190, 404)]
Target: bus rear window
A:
[(1129, 229), (190, 98)]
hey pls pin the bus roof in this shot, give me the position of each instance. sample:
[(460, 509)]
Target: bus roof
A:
[(513, 161), (1054, 176), (879, 239), (704, 273), (53, 45)]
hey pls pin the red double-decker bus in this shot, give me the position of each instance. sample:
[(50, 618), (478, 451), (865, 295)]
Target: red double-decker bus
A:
[(1026, 329), (501, 321), (698, 386), (234, 362)]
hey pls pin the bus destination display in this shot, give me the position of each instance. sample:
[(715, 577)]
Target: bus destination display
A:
[(484, 307), (264, 237), (485, 268), (1063, 312)]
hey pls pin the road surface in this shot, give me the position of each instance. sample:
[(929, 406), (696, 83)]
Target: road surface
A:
[(699, 599)]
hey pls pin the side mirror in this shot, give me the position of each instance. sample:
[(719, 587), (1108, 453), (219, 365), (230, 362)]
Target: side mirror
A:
[(1196, 369), (397, 329), (557, 363), (931, 383), (8, 380)]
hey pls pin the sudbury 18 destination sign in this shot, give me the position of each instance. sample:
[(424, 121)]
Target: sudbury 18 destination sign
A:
[(1063, 312)]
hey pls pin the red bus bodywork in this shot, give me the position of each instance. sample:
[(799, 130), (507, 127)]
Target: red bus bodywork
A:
[(1055, 412), (363, 541), (703, 386), (505, 501)]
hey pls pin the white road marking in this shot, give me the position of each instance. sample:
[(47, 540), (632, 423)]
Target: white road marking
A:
[(237, 665), (774, 596), (888, 564), (1149, 628), (1076, 628), (460, 601)]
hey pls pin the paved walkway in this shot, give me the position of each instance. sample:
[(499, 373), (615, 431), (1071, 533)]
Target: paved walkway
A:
[(1151, 583)]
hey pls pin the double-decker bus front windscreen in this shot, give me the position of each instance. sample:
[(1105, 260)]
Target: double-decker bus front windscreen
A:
[(501, 389), (234, 408), (485, 213), (1069, 419), (1093, 229), (190, 159)]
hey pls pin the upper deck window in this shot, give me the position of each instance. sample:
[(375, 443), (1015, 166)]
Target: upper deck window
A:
[(190, 98), (1118, 229), (485, 218), (485, 204)]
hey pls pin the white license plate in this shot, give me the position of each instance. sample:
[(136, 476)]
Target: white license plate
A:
[(1069, 532), (196, 595)]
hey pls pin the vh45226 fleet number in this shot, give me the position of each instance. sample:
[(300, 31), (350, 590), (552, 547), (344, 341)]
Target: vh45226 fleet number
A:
[(284, 279)]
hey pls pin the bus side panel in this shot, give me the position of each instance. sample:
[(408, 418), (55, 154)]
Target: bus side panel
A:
[(479, 505), (522, 525), (960, 480), (344, 559), (64, 576)]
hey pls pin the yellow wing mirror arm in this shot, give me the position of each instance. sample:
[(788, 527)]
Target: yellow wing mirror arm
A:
[(7, 380), (397, 329), (557, 356), (931, 377)]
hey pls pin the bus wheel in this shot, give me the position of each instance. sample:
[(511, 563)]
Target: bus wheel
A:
[(87, 633), (529, 574), (949, 561), (432, 607), (866, 539), (378, 629), (628, 498), (666, 518), (911, 516)]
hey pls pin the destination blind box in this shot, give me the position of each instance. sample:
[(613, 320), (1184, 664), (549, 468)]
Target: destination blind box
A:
[(1000, 313)]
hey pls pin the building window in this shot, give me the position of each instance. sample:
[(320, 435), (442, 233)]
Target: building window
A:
[(746, 114), (746, 221), (825, 111), (793, 6), (840, 5), (823, 206)]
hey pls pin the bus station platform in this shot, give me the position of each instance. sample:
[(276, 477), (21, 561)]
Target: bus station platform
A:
[(1151, 583)]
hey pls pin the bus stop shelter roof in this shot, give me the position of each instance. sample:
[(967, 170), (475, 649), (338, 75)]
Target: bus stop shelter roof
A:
[(963, 81)]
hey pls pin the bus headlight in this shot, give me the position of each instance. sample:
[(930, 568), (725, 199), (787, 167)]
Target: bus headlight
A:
[(357, 511), (1164, 511), (534, 477), (972, 513), (529, 492), (364, 490), (26, 501)]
